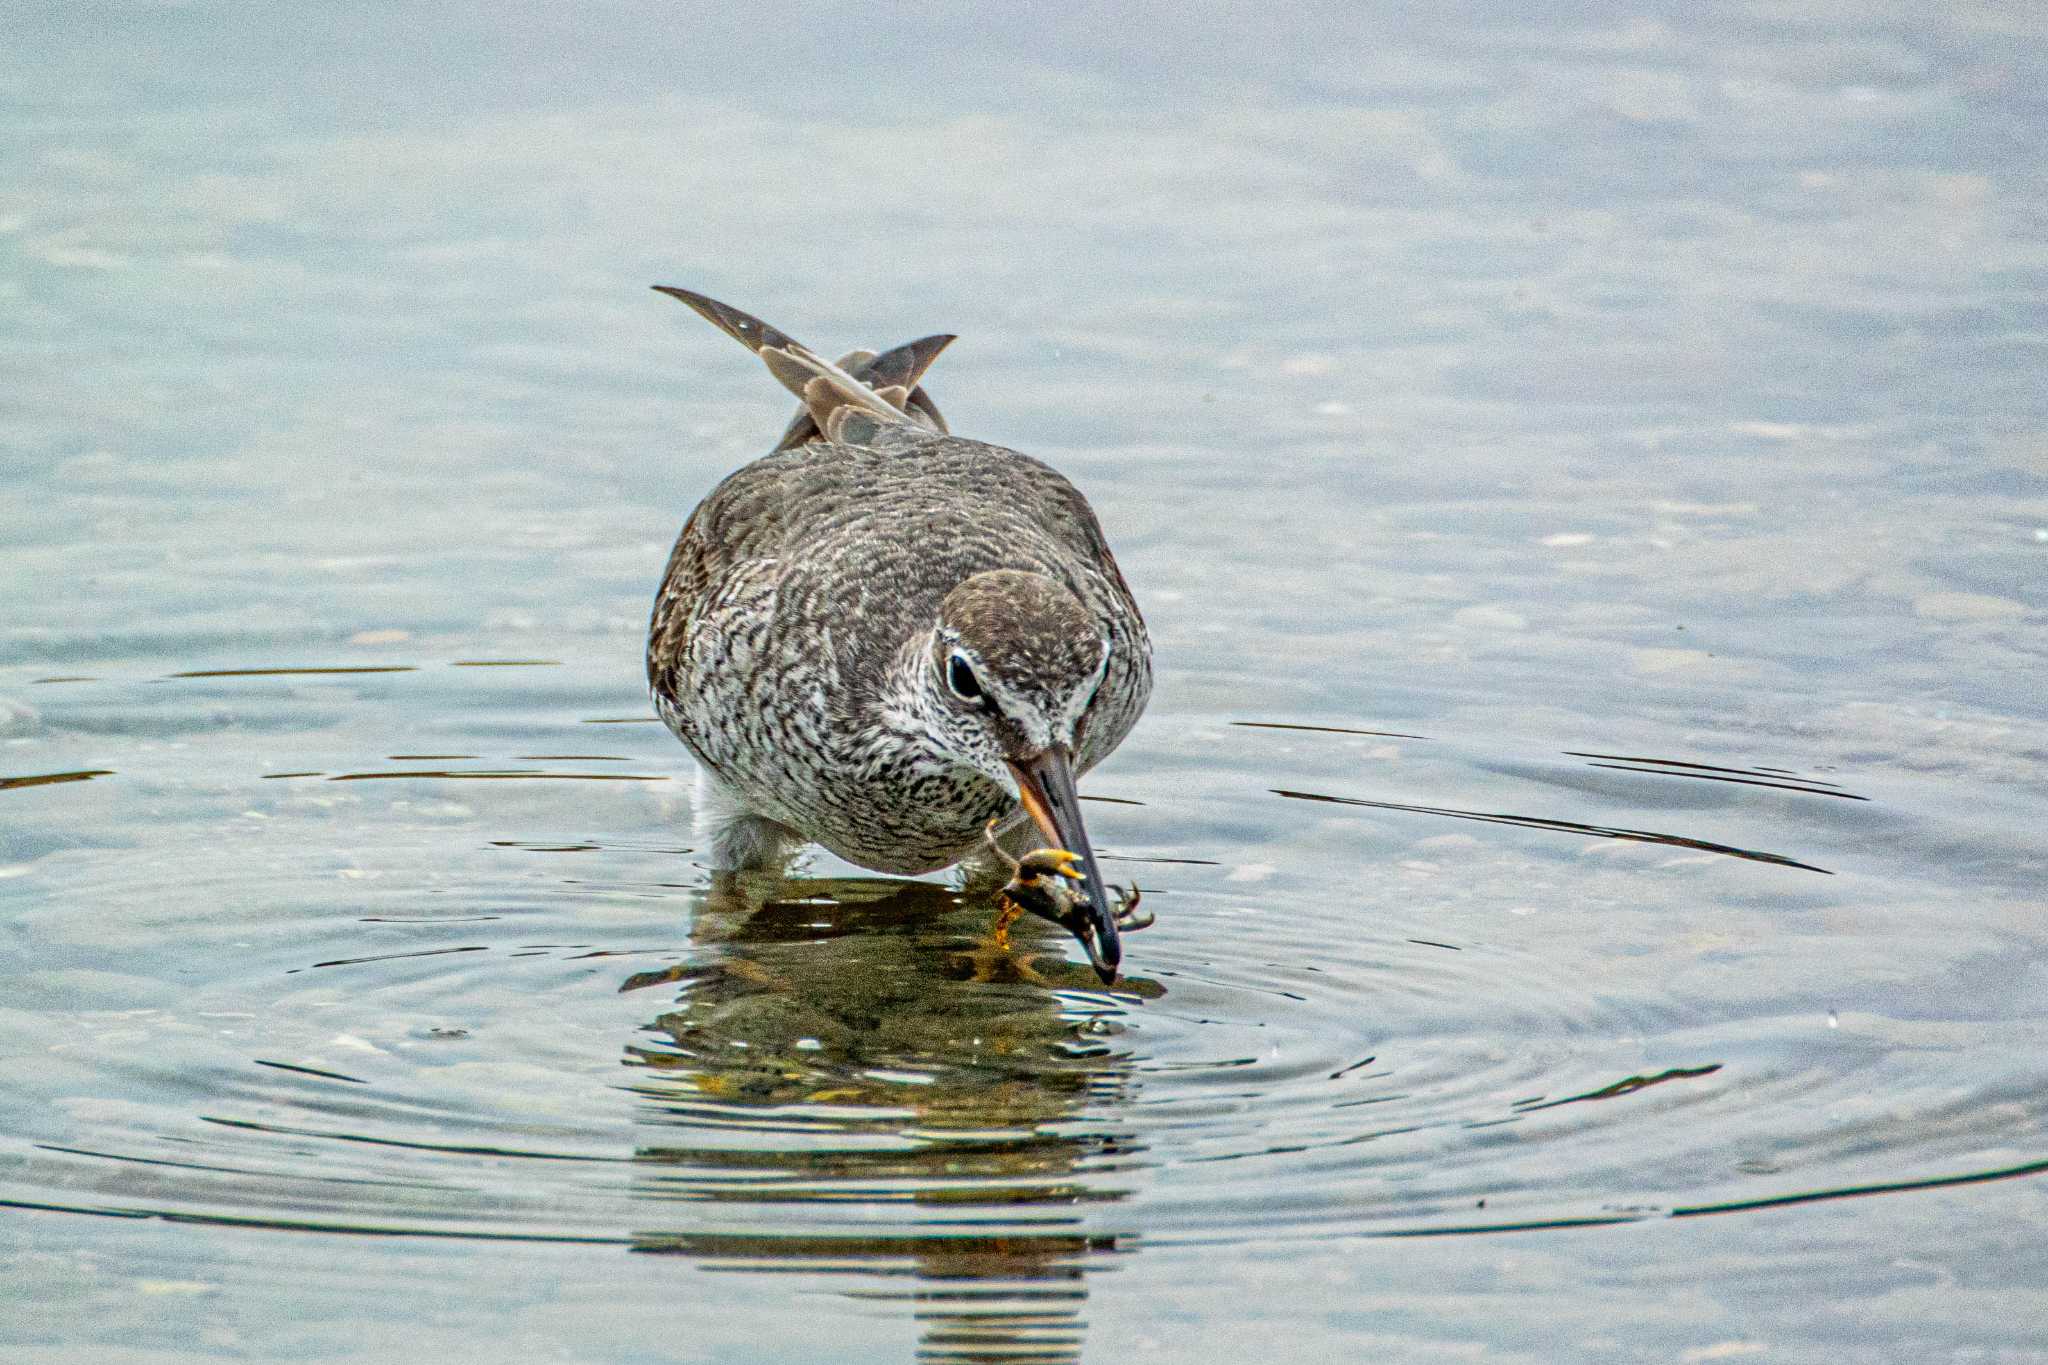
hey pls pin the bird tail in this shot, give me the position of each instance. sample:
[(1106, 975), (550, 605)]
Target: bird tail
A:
[(853, 400)]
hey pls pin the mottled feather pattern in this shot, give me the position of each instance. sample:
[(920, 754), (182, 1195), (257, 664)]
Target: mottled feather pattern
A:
[(796, 587)]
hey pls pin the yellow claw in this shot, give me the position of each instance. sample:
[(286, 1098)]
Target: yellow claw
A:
[(1058, 861)]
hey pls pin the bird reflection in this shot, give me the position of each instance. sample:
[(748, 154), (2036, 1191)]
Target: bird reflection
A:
[(862, 1083)]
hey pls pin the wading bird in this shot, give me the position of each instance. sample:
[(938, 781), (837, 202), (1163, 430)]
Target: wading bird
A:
[(880, 636)]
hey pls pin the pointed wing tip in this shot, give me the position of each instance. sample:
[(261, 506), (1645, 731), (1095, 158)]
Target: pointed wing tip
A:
[(887, 387), (706, 307), (748, 330), (704, 304)]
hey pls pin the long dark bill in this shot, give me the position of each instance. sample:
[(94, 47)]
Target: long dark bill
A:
[(1046, 781)]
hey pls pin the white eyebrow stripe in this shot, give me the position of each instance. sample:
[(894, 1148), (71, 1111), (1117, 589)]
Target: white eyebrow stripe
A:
[(1029, 719), (1040, 728)]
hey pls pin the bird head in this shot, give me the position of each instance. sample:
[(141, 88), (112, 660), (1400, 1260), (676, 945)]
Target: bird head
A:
[(1015, 660)]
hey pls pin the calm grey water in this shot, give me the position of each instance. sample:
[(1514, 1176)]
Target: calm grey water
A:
[(1586, 471)]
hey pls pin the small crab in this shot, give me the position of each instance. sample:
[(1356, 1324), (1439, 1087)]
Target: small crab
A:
[(1049, 883)]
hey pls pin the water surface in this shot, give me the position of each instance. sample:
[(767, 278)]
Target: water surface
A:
[(1585, 480)]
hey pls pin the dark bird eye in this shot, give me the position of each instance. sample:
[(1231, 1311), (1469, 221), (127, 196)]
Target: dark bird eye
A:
[(960, 677)]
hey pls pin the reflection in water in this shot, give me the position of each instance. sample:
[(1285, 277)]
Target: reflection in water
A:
[(1940, 1182), (1627, 1086), (321, 1072), (52, 779), (908, 1100), (389, 957), (294, 672), (1321, 729), (1641, 836), (506, 774), (1745, 777)]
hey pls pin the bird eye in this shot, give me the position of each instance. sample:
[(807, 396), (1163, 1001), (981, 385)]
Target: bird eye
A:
[(960, 677)]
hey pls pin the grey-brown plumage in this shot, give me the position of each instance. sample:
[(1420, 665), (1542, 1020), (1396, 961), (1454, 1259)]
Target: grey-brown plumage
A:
[(880, 636)]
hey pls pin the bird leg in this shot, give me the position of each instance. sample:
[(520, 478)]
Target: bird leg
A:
[(1007, 913)]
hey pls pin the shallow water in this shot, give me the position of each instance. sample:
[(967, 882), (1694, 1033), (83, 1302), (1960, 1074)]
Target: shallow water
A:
[(1586, 484)]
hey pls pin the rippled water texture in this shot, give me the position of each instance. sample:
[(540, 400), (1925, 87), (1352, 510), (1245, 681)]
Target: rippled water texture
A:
[(1586, 480)]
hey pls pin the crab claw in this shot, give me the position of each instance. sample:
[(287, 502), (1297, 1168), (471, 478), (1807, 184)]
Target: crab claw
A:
[(1057, 862), (1129, 917)]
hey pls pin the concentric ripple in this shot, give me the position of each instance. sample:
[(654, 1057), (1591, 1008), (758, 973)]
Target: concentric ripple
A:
[(424, 1006)]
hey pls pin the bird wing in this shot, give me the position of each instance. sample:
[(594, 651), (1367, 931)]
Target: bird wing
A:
[(836, 403)]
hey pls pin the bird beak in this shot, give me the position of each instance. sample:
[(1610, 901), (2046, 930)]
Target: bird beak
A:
[(1045, 784)]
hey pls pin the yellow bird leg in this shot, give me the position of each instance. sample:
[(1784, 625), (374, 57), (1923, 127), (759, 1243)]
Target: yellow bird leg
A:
[(1008, 912)]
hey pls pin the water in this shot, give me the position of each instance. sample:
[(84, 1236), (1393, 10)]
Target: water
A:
[(1584, 477)]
